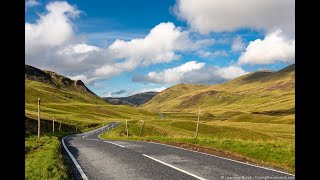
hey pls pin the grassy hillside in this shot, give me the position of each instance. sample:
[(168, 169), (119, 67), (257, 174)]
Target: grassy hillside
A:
[(70, 101), (259, 94), (251, 118), (73, 105), (53, 87)]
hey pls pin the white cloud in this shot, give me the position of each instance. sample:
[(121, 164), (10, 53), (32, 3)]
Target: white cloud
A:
[(192, 72), (78, 49), (274, 47), (51, 43), (31, 3), (213, 75), (171, 75), (221, 53), (158, 46), (230, 72), (107, 70), (107, 94), (83, 78), (237, 44), (207, 16), (203, 53), (52, 29)]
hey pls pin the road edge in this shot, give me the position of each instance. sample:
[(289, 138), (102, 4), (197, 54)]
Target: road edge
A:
[(83, 175)]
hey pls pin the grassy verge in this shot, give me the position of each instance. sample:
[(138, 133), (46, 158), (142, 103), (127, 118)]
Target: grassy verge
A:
[(254, 145), (43, 157)]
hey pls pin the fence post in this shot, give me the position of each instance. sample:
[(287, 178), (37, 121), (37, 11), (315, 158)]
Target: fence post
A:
[(141, 128), (197, 124), (60, 126), (53, 125), (38, 118), (127, 127)]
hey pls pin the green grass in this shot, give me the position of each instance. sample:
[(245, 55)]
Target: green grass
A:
[(75, 110), (246, 117), (81, 109), (260, 145), (43, 159), (271, 94)]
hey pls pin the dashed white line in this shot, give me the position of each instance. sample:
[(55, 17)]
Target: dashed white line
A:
[(186, 172), (83, 175), (224, 158), (113, 143)]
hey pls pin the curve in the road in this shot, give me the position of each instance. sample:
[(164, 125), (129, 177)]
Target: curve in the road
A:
[(96, 158)]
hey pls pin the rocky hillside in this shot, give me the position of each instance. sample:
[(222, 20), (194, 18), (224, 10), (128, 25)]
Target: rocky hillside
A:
[(136, 99), (54, 87)]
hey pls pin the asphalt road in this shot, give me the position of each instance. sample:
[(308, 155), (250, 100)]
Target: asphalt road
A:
[(102, 159)]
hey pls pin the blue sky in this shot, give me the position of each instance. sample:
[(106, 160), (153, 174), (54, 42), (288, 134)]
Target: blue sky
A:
[(122, 47)]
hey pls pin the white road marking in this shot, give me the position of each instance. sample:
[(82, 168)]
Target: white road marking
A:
[(100, 137), (113, 143), (186, 172), (223, 158), (83, 175)]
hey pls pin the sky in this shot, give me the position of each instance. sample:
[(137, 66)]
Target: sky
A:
[(123, 47)]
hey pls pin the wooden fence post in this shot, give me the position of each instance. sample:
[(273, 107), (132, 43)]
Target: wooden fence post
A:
[(53, 125), (197, 124), (38, 118), (127, 127), (141, 128)]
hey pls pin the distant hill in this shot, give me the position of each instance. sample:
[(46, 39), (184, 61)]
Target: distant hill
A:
[(260, 92), (134, 100), (53, 87)]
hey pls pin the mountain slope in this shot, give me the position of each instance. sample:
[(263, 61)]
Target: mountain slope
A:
[(259, 92), (53, 87), (70, 101), (136, 99)]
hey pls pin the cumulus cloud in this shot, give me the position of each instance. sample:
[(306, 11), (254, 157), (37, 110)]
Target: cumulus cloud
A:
[(207, 16), (107, 94), (52, 29), (158, 46), (78, 49), (171, 75), (213, 75), (51, 43), (238, 44), (31, 3), (192, 72), (221, 53), (274, 47)]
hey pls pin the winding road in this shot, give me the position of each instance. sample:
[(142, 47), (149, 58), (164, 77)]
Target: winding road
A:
[(96, 158)]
